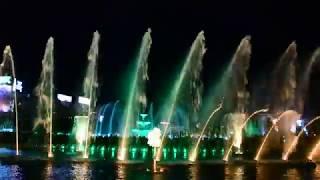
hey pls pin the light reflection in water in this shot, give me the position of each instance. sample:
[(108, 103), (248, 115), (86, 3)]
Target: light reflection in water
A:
[(10, 172), (48, 171), (81, 171), (194, 172), (316, 174), (234, 172), (292, 174), (121, 171)]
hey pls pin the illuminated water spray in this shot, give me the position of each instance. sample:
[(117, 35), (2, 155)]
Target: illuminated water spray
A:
[(90, 85), (226, 155), (274, 123), (112, 117), (137, 98), (304, 82), (313, 151), (195, 56), (193, 155), (295, 141), (8, 64), (44, 92), (154, 140), (283, 91)]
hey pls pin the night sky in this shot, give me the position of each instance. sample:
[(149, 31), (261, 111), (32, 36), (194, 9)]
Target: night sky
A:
[(26, 26)]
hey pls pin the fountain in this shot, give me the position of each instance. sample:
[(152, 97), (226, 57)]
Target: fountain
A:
[(295, 141), (101, 117), (90, 85), (194, 57), (313, 151), (226, 155), (8, 61), (112, 117), (181, 111), (44, 92), (283, 96), (274, 123), (194, 153), (137, 98)]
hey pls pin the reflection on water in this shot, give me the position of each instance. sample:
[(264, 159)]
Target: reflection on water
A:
[(81, 171), (49, 171), (107, 170), (194, 172), (234, 172), (121, 171), (10, 172)]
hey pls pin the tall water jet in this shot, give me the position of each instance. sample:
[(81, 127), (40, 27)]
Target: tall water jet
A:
[(295, 141), (305, 79), (8, 63), (137, 100), (194, 60), (236, 91), (226, 155), (283, 95), (90, 85), (44, 92), (193, 155), (284, 82)]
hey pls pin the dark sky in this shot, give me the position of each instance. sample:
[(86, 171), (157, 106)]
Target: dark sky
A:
[(26, 26)]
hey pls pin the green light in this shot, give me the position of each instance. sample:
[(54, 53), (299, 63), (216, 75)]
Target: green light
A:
[(213, 151), (133, 153), (113, 149), (165, 153), (134, 88), (174, 153), (62, 148), (222, 151), (185, 153), (204, 153), (92, 149), (73, 148), (102, 150), (144, 153)]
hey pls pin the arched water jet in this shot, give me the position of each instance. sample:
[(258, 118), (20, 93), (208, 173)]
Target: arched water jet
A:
[(197, 50), (44, 92), (194, 153), (226, 156), (112, 117), (90, 85), (8, 58), (136, 93), (295, 141), (101, 119), (257, 157), (313, 151)]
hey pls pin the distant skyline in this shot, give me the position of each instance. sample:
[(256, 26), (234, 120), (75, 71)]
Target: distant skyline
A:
[(26, 26)]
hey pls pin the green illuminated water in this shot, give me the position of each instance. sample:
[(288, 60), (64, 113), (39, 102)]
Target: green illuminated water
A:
[(137, 98), (193, 60)]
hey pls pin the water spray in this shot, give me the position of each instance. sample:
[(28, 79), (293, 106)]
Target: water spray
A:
[(226, 156), (295, 141), (257, 157), (194, 153)]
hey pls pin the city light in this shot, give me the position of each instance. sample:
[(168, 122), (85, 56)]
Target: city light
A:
[(64, 98), (84, 100)]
